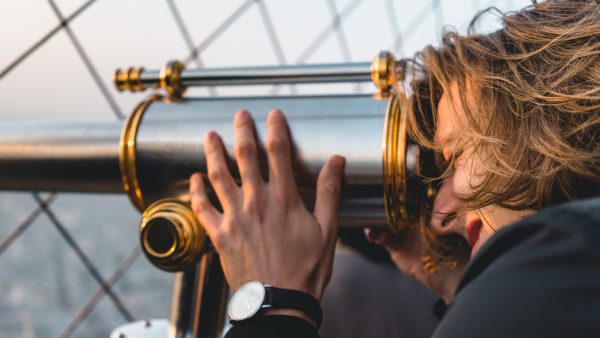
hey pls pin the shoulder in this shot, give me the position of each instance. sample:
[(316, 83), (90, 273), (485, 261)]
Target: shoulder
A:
[(537, 278)]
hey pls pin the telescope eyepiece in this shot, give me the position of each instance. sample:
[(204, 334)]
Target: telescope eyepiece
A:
[(161, 236), (171, 236)]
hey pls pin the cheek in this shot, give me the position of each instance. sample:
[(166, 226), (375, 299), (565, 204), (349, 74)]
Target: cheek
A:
[(466, 175), (461, 179)]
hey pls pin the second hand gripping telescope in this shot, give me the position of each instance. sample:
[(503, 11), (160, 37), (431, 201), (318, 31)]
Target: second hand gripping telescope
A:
[(153, 153)]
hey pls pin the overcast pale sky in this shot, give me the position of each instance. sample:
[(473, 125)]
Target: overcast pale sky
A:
[(53, 82)]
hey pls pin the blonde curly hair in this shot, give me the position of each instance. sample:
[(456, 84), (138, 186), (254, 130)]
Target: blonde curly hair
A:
[(536, 85), (537, 88)]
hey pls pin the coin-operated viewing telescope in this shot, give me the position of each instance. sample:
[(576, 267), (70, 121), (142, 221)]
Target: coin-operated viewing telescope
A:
[(153, 153)]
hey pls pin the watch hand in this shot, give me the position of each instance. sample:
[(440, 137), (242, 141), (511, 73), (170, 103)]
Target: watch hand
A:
[(248, 304)]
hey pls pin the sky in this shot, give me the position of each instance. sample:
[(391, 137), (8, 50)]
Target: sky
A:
[(53, 82)]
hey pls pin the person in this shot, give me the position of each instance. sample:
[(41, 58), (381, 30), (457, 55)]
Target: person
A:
[(515, 116)]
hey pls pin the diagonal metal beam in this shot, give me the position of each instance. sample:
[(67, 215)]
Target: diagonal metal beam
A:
[(84, 259), (212, 37), (88, 63), (340, 34), (397, 46), (187, 38), (18, 230), (271, 33), (89, 306), (45, 39), (274, 40), (417, 21), (333, 26), (328, 30), (185, 33), (439, 15), (341, 37)]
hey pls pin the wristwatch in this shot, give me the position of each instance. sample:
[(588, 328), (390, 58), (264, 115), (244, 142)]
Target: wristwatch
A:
[(252, 298)]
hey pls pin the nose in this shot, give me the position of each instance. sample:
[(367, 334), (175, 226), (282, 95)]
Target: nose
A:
[(448, 222), (444, 218)]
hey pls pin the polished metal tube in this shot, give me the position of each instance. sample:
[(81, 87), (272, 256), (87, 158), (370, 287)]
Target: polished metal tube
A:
[(77, 157), (169, 145), (296, 74)]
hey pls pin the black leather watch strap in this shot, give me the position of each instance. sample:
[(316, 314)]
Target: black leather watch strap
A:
[(292, 299)]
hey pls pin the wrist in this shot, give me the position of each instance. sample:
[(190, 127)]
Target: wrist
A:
[(255, 298), (291, 313)]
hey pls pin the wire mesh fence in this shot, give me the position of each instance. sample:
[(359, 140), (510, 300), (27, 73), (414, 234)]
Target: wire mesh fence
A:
[(69, 263)]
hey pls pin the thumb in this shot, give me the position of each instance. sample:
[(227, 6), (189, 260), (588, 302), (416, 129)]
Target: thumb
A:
[(329, 186)]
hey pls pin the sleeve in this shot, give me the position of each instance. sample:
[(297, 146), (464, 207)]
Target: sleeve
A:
[(273, 327), (537, 278)]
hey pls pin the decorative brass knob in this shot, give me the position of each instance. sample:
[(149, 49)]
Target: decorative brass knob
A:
[(383, 73), (170, 78), (129, 79), (172, 237)]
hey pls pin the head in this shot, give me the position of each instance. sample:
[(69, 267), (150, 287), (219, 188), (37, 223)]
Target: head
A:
[(515, 113)]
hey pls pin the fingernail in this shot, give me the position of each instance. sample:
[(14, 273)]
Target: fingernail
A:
[(243, 114), (211, 136), (338, 163), (373, 235)]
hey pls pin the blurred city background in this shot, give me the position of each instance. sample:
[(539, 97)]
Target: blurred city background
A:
[(56, 63)]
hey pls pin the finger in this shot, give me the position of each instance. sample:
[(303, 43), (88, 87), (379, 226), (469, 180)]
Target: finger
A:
[(278, 150), (385, 238), (328, 195), (203, 209), (218, 172), (246, 152)]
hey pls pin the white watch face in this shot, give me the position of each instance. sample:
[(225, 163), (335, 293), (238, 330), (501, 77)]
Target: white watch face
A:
[(246, 301)]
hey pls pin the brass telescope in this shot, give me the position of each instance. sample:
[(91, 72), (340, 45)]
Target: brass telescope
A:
[(152, 154), (160, 145)]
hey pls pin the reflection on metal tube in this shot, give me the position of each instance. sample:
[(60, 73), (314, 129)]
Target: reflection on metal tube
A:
[(297, 74)]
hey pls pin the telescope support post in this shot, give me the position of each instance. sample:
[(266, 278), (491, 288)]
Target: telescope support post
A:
[(198, 300)]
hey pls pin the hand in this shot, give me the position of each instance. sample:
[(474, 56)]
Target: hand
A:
[(265, 232), (407, 250)]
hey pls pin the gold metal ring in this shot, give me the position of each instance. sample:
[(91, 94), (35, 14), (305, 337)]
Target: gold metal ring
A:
[(170, 78), (127, 150), (383, 73), (394, 166), (171, 236), (135, 79), (129, 79)]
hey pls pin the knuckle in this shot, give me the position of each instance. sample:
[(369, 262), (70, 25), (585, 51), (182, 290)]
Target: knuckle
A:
[(221, 239), (245, 151), (286, 197), (253, 209), (277, 147), (216, 176), (332, 188), (198, 204)]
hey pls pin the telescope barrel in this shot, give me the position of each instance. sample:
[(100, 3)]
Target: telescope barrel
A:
[(162, 145), (169, 145)]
